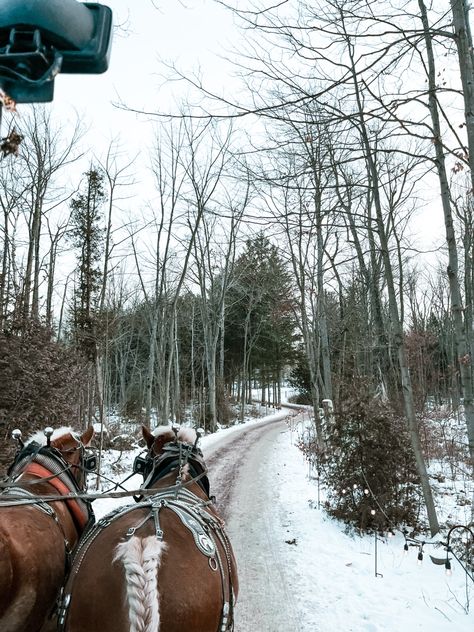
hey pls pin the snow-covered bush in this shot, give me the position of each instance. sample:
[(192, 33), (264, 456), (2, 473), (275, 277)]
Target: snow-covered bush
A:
[(369, 465)]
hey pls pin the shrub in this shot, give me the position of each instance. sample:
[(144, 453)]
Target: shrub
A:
[(40, 380), (370, 465)]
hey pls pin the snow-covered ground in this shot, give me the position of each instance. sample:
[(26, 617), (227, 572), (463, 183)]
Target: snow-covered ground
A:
[(332, 574)]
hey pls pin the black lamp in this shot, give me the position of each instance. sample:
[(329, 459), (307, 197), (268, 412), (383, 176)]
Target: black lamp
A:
[(41, 38)]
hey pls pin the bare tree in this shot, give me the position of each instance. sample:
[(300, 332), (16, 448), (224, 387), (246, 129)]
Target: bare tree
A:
[(214, 257), (12, 190), (44, 154)]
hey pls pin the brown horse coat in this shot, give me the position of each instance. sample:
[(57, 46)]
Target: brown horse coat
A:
[(33, 550), (137, 583)]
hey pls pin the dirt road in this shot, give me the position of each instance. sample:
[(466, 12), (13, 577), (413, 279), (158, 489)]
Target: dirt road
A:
[(243, 471)]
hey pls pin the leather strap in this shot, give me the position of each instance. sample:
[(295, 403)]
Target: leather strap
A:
[(38, 470)]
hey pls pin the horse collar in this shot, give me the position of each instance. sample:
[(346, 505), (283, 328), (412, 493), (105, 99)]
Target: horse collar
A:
[(78, 514), (46, 462)]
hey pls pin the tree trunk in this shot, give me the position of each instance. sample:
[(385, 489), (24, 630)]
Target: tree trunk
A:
[(464, 333)]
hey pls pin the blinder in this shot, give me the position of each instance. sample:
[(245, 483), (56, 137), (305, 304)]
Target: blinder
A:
[(142, 465), (89, 462)]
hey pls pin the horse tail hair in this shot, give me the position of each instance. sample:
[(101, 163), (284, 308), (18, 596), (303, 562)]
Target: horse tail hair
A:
[(141, 559)]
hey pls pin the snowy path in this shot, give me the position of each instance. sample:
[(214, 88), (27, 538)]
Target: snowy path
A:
[(254, 525)]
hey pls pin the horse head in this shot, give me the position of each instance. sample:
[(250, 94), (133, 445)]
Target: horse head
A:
[(64, 449), (173, 448), (57, 459), (72, 448), (162, 435)]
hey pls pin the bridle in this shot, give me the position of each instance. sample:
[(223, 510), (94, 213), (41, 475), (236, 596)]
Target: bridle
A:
[(175, 455)]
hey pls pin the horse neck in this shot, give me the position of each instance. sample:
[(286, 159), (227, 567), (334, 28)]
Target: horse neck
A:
[(168, 480)]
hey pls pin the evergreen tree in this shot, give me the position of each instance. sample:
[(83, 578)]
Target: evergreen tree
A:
[(260, 323), (369, 463), (87, 236)]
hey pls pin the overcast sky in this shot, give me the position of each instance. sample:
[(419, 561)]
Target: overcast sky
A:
[(190, 35)]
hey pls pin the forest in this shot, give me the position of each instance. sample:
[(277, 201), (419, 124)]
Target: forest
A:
[(315, 231)]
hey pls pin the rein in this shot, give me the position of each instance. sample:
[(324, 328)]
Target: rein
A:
[(97, 496), (44, 479)]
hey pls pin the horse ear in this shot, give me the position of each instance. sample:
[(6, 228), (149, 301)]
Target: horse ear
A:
[(148, 436), (86, 436), (159, 442)]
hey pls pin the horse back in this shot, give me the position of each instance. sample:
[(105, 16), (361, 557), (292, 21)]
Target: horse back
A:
[(32, 563), (129, 579)]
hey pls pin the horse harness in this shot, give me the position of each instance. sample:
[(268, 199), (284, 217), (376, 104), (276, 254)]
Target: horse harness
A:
[(48, 464), (206, 529), (174, 455)]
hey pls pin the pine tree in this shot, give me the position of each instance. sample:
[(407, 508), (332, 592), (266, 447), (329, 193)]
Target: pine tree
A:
[(87, 236), (261, 325)]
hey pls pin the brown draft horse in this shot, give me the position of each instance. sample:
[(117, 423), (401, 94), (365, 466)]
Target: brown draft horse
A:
[(37, 537), (164, 564)]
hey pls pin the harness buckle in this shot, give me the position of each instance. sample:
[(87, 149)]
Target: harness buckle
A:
[(225, 617), (63, 605), (155, 510)]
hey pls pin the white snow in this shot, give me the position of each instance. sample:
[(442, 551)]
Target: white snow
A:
[(332, 573)]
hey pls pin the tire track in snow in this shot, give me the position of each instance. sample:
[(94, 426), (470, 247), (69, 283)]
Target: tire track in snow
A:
[(242, 476)]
